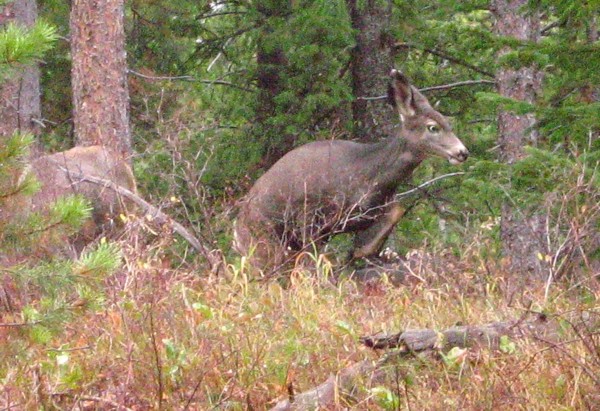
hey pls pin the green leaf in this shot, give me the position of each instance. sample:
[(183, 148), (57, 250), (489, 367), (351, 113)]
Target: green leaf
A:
[(344, 327), (203, 309), (455, 357), (385, 398), (507, 346)]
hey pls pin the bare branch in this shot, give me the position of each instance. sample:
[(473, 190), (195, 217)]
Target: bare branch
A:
[(92, 398), (427, 183), (445, 56), (189, 78), (157, 215), (222, 13), (28, 324), (437, 88), (458, 84)]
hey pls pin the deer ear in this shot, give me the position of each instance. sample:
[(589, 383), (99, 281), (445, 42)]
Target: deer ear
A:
[(401, 94)]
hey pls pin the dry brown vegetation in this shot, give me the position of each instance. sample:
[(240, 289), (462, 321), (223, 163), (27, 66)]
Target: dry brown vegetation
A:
[(164, 336)]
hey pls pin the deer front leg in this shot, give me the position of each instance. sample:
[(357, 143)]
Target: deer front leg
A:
[(370, 241)]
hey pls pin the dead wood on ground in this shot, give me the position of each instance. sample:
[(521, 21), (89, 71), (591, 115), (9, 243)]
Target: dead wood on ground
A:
[(338, 387)]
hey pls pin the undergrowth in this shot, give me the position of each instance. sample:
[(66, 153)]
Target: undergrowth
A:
[(178, 338)]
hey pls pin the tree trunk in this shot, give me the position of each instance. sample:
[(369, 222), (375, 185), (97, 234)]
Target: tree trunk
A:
[(372, 61), (522, 230), (99, 75), (20, 94), (271, 64)]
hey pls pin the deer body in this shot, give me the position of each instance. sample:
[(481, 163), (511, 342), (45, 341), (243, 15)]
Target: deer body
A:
[(328, 187), (61, 174)]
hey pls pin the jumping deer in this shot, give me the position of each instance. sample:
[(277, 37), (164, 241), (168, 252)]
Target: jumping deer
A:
[(328, 187)]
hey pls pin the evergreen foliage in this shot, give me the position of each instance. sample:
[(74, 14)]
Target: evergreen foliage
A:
[(19, 45), (45, 285), (209, 117), (103, 327)]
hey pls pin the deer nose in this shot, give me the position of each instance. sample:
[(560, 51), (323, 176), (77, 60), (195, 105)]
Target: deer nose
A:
[(463, 155)]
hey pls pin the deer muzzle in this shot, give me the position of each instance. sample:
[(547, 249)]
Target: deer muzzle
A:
[(459, 155)]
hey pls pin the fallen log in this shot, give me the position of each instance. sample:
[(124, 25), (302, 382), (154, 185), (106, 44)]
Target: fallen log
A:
[(330, 392), (458, 336)]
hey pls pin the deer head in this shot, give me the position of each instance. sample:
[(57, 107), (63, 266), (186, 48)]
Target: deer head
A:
[(425, 129)]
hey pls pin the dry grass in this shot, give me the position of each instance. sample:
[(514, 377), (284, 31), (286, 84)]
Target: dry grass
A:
[(167, 338)]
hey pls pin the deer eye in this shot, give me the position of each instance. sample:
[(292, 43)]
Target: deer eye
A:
[(433, 128)]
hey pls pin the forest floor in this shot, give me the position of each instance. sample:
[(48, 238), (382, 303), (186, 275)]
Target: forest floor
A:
[(178, 338)]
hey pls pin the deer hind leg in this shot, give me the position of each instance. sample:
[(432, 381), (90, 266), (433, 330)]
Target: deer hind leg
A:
[(260, 246), (370, 241)]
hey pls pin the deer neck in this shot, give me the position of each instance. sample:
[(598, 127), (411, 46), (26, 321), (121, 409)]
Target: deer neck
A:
[(391, 161)]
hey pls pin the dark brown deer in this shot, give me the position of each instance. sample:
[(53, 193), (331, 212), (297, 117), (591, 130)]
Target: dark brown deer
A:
[(328, 187)]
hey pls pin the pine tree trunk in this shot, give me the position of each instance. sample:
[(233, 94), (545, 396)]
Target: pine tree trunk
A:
[(522, 230), (371, 62), (20, 94), (99, 75)]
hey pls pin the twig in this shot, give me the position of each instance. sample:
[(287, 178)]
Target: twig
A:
[(544, 31), (458, 84), (219, 14), (157, 359), (160, 78), (372, 98), (85, 347), (189, 78), (11, 406), (426, 183), (585, 369), (157, 215), (447, 57), (20, 324), (436, 88), (93, 398), (191, 397)]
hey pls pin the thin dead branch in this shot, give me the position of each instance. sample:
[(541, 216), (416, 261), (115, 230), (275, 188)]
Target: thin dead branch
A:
[(458, 84), (95, 399), (426, 183), (445, 56), (189, 78), (16, 325), (438, 88), (156, 215)]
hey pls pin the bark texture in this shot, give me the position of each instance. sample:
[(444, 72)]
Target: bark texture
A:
[(99, 75), (522, 231), (20, 94), (372, 61)]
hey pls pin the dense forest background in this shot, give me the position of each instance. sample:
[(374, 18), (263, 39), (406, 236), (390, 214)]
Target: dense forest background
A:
[(201, 97)]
